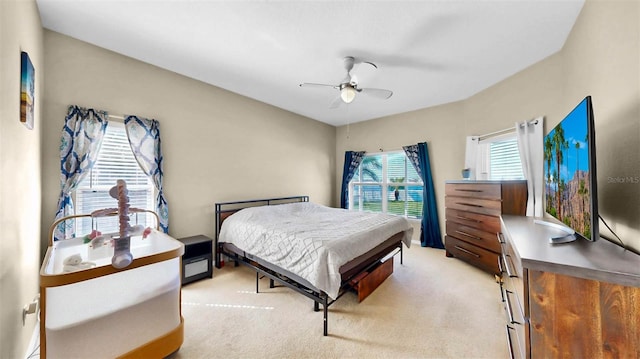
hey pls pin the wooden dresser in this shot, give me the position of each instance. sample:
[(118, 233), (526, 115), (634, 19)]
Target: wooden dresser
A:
[(571, 300), (473, 210)]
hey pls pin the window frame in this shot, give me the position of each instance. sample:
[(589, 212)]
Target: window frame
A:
[(384, 184), (486, 157)]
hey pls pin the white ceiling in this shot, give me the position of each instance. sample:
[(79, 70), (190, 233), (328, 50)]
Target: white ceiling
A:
[(427, 52)]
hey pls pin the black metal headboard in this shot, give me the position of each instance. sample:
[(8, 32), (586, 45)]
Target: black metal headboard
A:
[(225, 209)]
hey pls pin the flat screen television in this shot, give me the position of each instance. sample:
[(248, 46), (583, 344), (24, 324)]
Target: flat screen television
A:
[(570, 174)]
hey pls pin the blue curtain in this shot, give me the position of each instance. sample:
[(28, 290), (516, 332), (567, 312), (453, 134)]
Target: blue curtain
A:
[(80, 143), (430, 235), (352, 161), (144, 138)]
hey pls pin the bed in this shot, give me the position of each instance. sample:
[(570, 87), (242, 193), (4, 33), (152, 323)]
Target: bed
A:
[(318, 251)]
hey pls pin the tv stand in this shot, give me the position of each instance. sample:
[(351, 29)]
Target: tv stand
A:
[(571, 301), (570, 235)]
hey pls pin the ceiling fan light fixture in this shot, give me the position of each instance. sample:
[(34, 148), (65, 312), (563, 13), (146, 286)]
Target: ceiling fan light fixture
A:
[(348, 93), (349, 86)]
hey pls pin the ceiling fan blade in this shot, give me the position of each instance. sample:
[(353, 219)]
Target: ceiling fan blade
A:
[(311, 84), (337, 102), (370, 63), (378, 93)]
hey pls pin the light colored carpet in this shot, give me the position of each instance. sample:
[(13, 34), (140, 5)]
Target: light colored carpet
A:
[(430, 307)]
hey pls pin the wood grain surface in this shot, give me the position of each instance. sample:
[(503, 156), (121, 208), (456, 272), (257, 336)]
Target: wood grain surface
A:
[(579, 318)]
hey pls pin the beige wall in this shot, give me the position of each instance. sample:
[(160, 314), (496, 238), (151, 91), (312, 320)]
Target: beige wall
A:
[(20, 30), (218, 146), (601, 58)]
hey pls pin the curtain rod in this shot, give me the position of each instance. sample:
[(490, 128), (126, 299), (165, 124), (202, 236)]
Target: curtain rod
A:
[(506, 130), (391, 150), (119, 117)]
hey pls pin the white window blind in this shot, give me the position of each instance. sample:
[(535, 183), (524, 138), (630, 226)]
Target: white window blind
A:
[(504, 160), (115, 161)]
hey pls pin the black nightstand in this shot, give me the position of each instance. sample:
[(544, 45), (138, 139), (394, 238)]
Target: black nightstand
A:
[(196, 260)]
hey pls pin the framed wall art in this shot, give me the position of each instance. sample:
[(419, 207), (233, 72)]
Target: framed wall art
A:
[(27, 90)]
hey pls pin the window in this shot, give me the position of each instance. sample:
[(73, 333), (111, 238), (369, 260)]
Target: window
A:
[(387, 183), (504, 160), (115, 161), (499, 159)]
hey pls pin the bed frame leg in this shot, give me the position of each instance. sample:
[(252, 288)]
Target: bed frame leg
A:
[(316, 306), (401, 253), (257, 282), (326, 310), (271, 283)]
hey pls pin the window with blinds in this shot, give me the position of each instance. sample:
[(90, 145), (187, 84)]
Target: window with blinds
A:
[(115, 161), (504, 160), (387, 183)]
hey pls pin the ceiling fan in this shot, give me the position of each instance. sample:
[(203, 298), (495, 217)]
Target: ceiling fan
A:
[(349, 86)]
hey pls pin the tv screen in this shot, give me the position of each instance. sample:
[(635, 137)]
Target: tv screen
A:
[(570, 172)]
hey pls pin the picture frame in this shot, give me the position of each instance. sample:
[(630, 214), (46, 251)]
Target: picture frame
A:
[(27, 90)]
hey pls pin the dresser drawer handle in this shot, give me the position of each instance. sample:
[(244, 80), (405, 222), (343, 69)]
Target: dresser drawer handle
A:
[(500, 238), (510, 342), (468, 190), (507, 266), (469, 235), (507, 302), (469, 219), (466, 251), (469, 204)]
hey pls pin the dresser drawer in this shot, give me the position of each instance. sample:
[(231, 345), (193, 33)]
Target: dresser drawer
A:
[(513, 266), (474, 236), (513, 294), (515, 345), (475, 220), (515, 286), (475, 190), (476, 256), (476, 205), (517, 340), (515, 315), (513, 283)]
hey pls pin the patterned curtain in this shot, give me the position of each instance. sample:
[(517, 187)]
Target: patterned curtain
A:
[(430, 235), (80, 143), (144, 138), (352, 161)]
